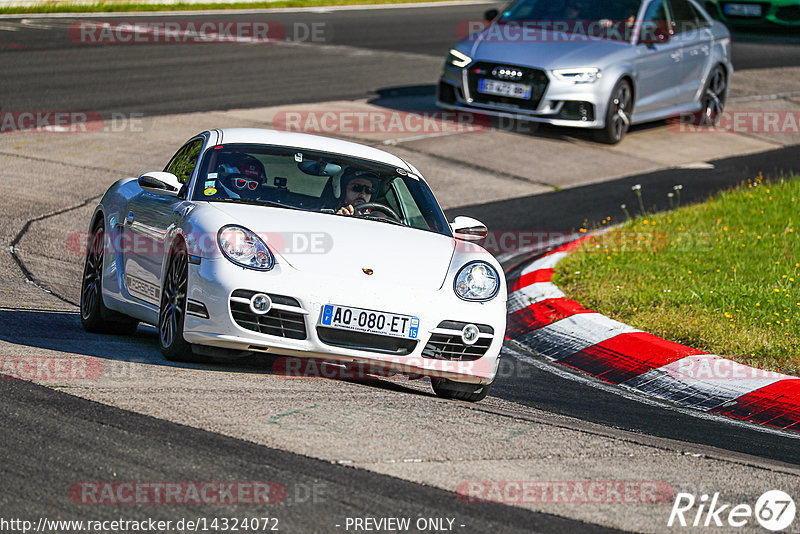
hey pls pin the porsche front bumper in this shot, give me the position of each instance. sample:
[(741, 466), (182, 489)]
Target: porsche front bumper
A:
[(220, 290)]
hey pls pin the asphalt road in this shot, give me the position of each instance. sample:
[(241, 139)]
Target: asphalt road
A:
[(50, 442), (47, 67), (571, 208)]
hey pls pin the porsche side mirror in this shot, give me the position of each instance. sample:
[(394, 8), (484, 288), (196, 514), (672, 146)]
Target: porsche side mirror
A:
[(162, 183), (490, 14), (468, 229)]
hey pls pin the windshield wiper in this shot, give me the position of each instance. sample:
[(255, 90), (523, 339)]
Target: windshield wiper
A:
[(383, 219), (254, 202)]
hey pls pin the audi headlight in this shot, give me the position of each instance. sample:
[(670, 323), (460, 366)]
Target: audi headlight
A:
[(588, 75), (477, 281), (458, 59), (244, 248)]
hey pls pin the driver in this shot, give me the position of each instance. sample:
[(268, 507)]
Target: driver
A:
[(359, 188)]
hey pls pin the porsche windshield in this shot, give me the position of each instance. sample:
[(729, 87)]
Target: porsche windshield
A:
[(317, 181)]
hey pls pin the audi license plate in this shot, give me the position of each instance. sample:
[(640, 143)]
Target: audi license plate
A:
[(493, 87), (743, 10), (370, 321)]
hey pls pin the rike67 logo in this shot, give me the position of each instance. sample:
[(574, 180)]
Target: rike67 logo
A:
[(774, 510)]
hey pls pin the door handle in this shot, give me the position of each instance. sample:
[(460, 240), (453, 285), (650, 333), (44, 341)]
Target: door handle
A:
[(129, 218), (676, 56)]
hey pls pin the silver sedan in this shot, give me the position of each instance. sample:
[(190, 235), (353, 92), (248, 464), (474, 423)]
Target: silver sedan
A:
[(601, 64)]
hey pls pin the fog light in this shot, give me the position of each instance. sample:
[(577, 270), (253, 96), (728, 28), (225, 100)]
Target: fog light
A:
[(469, 335), (260, 303)]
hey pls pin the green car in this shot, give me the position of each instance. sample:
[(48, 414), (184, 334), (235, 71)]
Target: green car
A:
[(746, 12)]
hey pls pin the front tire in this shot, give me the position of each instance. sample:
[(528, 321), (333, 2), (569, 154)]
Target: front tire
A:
[(618, 114), (95, 316), (173, 307), (449, 389), (713, 100)]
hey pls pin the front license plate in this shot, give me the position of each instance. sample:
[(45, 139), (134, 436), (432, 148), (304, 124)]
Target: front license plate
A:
[(493, 87), (370, 321), (743, 10)]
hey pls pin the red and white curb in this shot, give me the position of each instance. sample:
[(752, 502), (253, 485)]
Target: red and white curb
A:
[(542, 319)]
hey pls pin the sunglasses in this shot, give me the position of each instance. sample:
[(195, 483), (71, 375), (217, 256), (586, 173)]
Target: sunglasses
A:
[(241, 183), (360, 188)]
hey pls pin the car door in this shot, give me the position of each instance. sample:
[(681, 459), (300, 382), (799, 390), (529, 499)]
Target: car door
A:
[(657, 65), (693, 33), (147, 222)]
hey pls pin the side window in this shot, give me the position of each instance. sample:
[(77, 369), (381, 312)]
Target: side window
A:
[(656, 12), (408, 205), (656, 19), (686, 18), (701, 20), (184, 161)]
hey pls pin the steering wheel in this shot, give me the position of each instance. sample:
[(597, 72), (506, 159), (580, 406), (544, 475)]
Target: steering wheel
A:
[(377, 206)]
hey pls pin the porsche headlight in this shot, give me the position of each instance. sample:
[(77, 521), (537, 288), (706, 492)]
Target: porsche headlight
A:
[(588, 75), (477, 281), (244, 248), (458, 59)]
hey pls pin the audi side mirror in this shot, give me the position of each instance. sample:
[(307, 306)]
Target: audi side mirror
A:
[(655, 33)]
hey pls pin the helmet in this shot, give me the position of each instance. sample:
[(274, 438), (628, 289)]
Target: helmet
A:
[(244, 165), (241, 174)]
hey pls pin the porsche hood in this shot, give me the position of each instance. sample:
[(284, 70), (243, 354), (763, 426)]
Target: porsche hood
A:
[(346, 248)]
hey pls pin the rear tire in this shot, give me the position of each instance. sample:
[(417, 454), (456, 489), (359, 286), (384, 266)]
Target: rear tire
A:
[(173, 308), (618, 114), (449, 389), (95, 316)]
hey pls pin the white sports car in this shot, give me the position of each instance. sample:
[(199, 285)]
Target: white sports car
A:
[(302, 246)]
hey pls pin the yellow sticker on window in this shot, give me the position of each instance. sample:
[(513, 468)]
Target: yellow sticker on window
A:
[(209, 191)]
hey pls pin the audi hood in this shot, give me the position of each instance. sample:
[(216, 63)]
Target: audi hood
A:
[(542, 49)]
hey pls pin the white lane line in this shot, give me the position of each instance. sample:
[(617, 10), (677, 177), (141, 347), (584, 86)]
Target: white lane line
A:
[(568, 336), (756, 98), (590, 381), (43, 24), (394, 142)]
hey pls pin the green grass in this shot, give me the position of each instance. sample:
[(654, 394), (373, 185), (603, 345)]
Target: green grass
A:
[(124, 6), (721, 276)]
